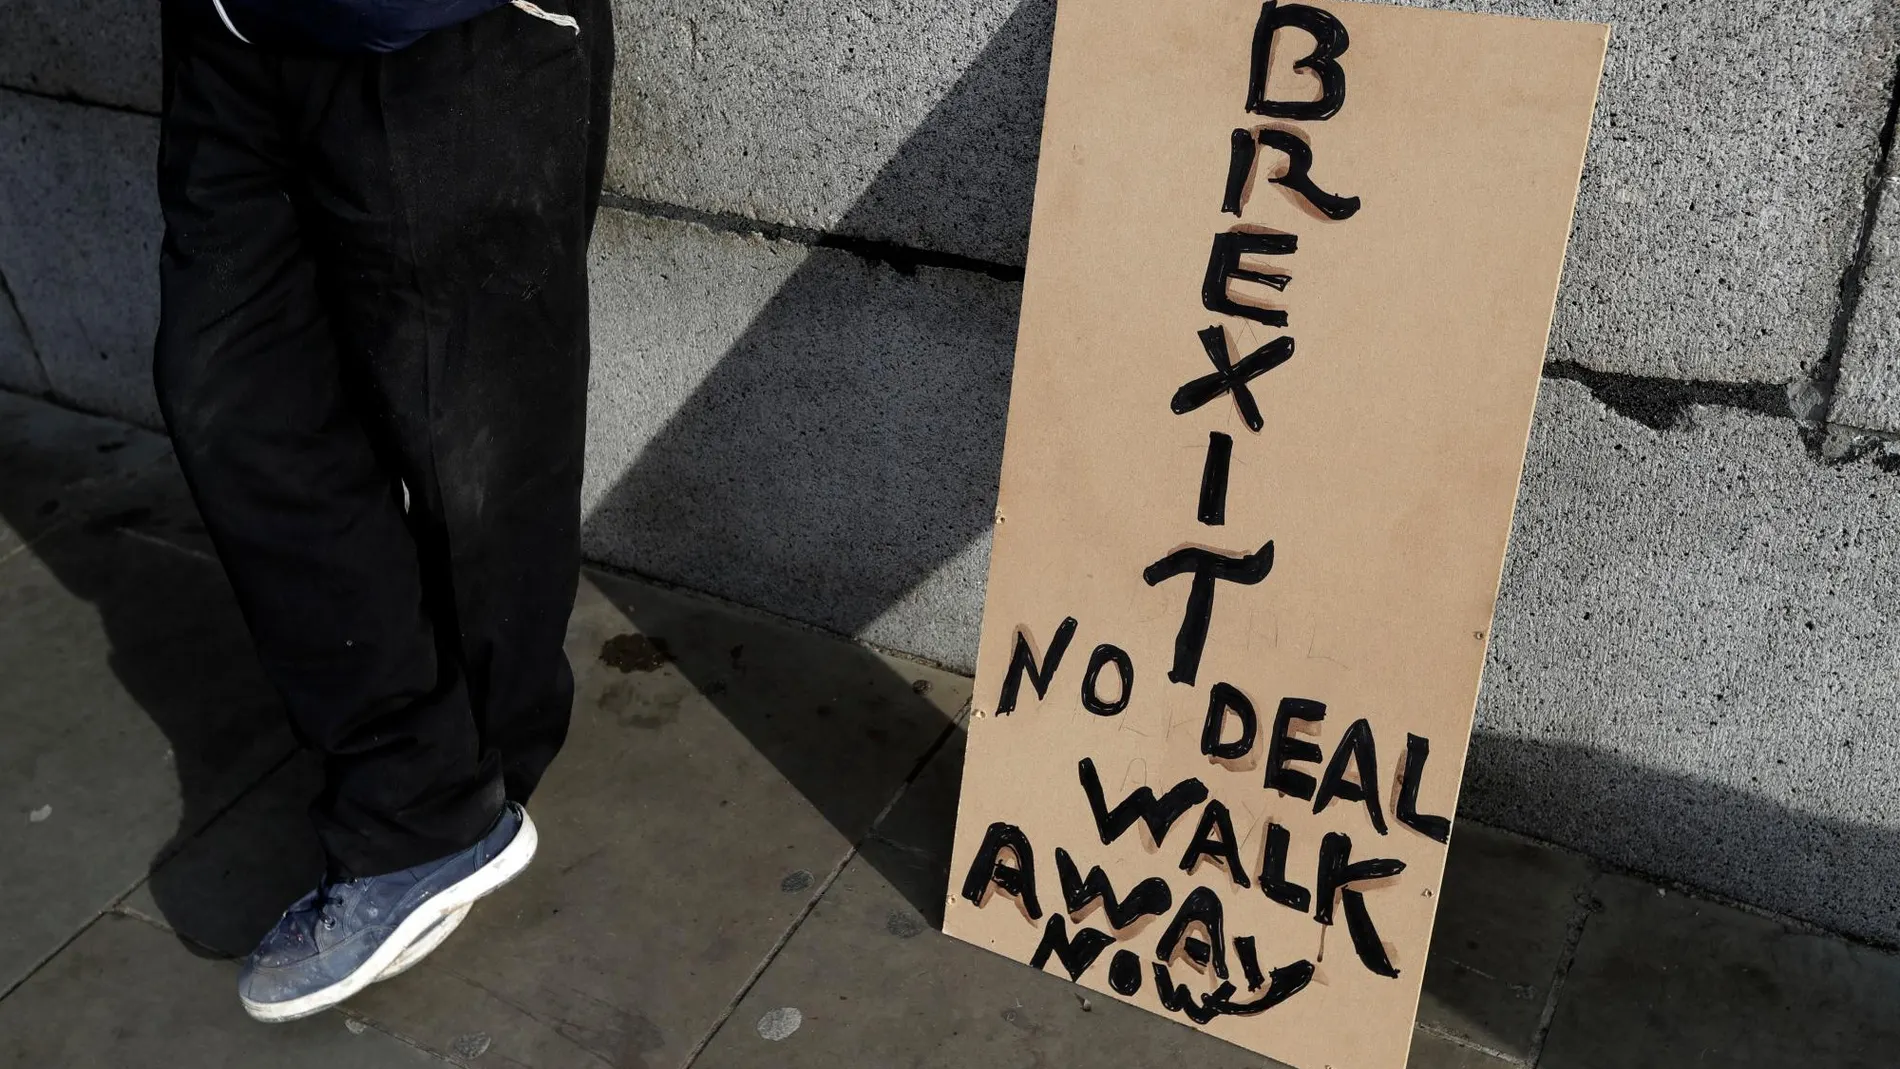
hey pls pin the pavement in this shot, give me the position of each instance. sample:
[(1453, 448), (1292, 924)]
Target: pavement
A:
[(743, 856)]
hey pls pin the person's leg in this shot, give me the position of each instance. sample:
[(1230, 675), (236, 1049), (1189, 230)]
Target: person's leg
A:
[(458, 180), (305, 515)]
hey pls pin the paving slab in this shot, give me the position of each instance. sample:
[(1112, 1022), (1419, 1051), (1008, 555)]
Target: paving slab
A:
[(797, 429), (1692, 655), (1868, 392), (55, 463), (1505, 916), (1431, 1051), (1661, 979), (719, 768), (870, 980), (19, 364), (875, 981), (135, 711), (79, 234), (123, 995), (99, 51)]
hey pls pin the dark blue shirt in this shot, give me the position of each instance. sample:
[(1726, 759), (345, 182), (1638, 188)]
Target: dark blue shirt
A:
[(342, 25)]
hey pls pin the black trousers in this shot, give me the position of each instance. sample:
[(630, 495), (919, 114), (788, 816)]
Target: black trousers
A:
[(372, 358)]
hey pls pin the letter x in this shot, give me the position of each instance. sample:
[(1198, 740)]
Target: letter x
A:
[(1229, 377)]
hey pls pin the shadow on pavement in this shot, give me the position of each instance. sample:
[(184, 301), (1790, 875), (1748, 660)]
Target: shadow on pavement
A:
[(888, 464)]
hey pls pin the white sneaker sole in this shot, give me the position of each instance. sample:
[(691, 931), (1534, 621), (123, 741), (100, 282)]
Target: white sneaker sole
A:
[(419, 933), (424, 946)]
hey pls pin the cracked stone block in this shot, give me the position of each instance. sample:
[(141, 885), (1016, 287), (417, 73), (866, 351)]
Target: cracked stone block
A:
[(1725, 183), (98, 51), (1867, 395), (1691, 668), (19, 364), (1720, 202), (79, 234), (798, 429)]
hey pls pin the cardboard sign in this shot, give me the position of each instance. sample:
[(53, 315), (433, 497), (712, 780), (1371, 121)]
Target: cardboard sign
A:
[(1290, 277)]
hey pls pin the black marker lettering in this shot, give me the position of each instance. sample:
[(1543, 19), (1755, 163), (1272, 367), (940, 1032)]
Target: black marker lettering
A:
[(1197, 951), (1178, 999), (1223, 265), (1106, 654), (1283, 748), (1239, 168), (1337, 870), (1355, 746), (1330, 42), (1297, 177), (1076, 956), (1299, 160), (1202, 907), (1249, 962), (1159, 814), (1221, 700), (1207, 567), (1021, 661), (1018, 880), (1150, 897), (1365, 938), (1231, 378), (1220, 452), (1225, 849), (1273, 879), (1417, 749), (1287, 981), (1124, 973)]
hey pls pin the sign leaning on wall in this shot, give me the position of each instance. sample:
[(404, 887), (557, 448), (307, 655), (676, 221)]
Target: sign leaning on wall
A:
[(1290, 276)]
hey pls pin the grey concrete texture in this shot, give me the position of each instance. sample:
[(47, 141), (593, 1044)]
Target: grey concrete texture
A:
[(749, 817), (79, 235), (869, 979), (797, 429), (56, 466), (1506, 913), (909, 121), (1867, 394), (126, 995), (1508, 909), (19, 364), (719, 766), (1736, 990), (1720, 204), (1725, 183), (1692, 665), (98, 51), (128, 723)]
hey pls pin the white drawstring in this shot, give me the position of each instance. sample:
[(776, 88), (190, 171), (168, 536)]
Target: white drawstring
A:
[(226, 19), (538, 12)]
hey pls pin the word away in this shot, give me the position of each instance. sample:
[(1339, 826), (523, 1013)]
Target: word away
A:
[(1350, 774)]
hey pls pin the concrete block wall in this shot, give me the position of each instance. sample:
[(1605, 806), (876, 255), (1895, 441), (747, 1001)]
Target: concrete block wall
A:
[(805, 293)]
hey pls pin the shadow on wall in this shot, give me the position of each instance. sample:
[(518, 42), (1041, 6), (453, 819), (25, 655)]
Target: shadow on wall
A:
[(843, 453), (845, 449), (846, 446), (1627, 814)]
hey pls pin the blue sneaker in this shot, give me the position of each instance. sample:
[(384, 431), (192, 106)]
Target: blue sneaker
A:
[(346, 935)]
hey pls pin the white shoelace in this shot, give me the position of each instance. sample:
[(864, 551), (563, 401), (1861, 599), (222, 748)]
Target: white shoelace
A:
[(226, 19), (542, 13), (536, 10)]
